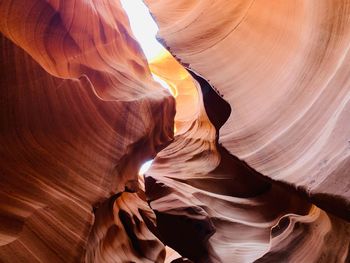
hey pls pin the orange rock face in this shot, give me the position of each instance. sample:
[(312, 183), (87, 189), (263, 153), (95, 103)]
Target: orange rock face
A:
[(256, 174), (79, 114)]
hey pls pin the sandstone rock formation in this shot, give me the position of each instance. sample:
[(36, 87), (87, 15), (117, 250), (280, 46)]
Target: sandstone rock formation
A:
[(259, 173), (79, 114), (283, 67), (229, 211)]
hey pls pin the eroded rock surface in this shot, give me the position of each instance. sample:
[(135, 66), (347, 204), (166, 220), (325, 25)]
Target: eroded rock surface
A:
[(79, 114), (228, 210), (254, 176), (283, 67), (121, 232)]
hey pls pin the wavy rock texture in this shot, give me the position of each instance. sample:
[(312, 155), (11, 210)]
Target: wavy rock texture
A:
[(226, 211), (283, 67), (63, 149), (80, 112), (97, 44), (124, 235)]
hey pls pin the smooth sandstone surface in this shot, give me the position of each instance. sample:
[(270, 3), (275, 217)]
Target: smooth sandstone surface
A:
[(283, 66), (229, 211), (80, 113), (252, 160)]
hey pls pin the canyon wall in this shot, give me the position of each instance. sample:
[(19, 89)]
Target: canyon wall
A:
[(213, 207), (80, 113), (251, 163), (283, 67)]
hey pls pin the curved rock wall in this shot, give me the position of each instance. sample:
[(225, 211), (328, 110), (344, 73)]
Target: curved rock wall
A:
[(79, 114), (212, 207), (283, 67), (250, 177)]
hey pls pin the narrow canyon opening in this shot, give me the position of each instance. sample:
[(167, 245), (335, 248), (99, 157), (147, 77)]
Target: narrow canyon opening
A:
[(222, 139), (230, 177)]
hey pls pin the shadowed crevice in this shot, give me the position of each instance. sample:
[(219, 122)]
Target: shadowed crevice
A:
[(244, 181)]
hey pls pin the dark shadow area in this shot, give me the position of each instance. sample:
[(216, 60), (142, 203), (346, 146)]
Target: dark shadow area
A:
[(217, 109), (185, 229), (179, 260)]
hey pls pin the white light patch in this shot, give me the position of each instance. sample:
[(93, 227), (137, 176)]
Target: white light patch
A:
[(144, 168), (161, 82), (143, 27)]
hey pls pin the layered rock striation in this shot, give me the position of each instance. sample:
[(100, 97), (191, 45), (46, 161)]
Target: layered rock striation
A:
[(223, 210), (283, 68), (80, 113), (251, 162)]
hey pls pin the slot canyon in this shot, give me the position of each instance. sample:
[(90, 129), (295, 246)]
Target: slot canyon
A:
[(229, 143)]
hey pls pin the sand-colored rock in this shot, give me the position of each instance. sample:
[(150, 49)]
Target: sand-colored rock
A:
[(223, 210), (254, 176), (122, 234), (283, 67)]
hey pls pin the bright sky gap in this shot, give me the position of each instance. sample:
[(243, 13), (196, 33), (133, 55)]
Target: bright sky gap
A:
[(143, 26), (145, 30)]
